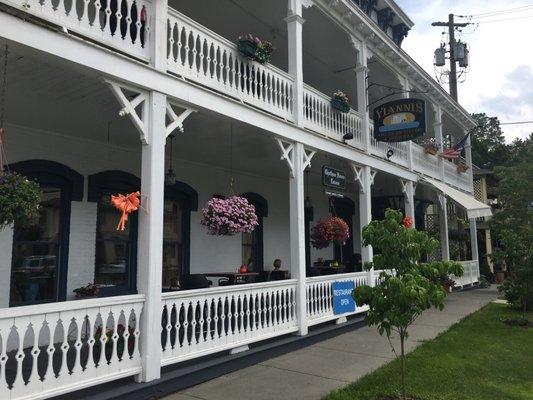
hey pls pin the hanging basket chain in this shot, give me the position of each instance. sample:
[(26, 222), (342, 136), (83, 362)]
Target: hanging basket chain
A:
[(3, 158)]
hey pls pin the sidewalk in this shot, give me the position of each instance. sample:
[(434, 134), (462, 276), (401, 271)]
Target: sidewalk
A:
[(314, 371)]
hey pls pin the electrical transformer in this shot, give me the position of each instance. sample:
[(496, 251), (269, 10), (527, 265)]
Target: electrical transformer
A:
[(440, 57)]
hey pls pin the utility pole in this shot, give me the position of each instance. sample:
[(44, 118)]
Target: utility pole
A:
[(453, 62)]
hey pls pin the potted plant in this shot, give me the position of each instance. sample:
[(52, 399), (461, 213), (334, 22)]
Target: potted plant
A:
[(19, 199), (328, 230), (340, 101), (255, 48), (430, 145), (462, 167), (447, 283), (229, 216), (91, 290)]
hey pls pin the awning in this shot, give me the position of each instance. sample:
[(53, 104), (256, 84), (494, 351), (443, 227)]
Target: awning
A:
[(473, 207)]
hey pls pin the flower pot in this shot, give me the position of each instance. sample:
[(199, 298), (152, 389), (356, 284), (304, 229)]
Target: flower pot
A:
[(431, 150), (462, 168), (340, 105), (248, 48)]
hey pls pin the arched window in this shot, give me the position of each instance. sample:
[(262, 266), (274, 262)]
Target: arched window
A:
[(252, 243), (39, 259), (116, 251), (180, 200)]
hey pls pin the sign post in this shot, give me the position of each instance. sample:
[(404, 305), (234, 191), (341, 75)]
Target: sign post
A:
[(400, 120)]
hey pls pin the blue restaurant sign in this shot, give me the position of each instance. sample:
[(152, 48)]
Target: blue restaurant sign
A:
[(400, 120), (343, 301)]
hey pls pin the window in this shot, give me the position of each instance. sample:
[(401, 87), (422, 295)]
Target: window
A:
[(172, 243), (36, 253), (252, 243), (115, 250), (39, 258)]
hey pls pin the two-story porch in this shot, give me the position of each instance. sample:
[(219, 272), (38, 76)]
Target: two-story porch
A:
[(64, 129)]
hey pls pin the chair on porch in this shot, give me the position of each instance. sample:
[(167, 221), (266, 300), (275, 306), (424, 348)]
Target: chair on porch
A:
[(194, 281)]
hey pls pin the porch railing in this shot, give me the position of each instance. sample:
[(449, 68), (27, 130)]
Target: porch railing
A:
[(319, 296), (207, 58), (205, 321), (320, 117), (470, 275), (455, 178), (380, 149), (50, 349), (122, 25), (425, 163)]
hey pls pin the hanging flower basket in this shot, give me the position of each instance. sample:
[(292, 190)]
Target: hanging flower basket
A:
[(228, 217), (328, 230), (341, 102), (462, 167), (255, 48), (19, 199)]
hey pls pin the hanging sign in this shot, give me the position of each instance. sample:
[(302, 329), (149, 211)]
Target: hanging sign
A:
[(333, 178), (400, 120), (343, 301)]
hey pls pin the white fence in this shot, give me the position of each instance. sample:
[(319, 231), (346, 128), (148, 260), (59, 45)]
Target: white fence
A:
[(203, 56), (461, 180), (319, 296), (123, 24), (205, 321), (470, 275), (320, 117), (50, 349), (428, 164)]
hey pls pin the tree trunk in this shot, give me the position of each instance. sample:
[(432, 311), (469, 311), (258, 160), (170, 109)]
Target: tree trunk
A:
[(402, 357)]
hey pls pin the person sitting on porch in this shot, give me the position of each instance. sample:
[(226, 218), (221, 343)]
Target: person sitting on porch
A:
[(277, 274)]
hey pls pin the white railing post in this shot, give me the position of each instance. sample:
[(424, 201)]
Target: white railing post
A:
[(474, 248), (295, 56), (158, 35), (406, 86), (408, 188), (443, 227), (150, 248), (468, 154)]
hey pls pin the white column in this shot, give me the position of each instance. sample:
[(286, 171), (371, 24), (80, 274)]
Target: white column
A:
[(409, 198), (294, 29), (406, 86), (437, 129), (158, 35), (473, 244), (443, 227), (150, 249), (365, 216), (468, 156), (297, 233), (361, 72)]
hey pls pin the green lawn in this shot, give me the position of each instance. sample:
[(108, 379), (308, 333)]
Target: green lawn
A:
[(479, 358)]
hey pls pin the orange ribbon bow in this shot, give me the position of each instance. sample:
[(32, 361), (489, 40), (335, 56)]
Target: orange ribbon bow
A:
[(126, 204)]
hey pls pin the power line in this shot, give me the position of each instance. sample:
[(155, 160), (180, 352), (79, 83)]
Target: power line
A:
[(505, 11), (502, 20)]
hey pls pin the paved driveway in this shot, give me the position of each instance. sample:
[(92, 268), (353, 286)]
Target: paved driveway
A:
[(313, 371)]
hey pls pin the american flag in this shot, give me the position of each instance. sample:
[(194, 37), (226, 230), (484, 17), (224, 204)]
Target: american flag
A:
[(455, 151)]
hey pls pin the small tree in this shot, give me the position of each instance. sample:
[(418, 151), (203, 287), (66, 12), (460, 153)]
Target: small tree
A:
[(400, 297)]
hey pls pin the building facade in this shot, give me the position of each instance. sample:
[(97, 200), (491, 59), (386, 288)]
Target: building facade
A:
[(108, 97)]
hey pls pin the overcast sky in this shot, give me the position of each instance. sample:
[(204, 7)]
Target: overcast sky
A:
[(500, 78)]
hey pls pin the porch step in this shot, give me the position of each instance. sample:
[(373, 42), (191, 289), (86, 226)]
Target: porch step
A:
[(186, 374)]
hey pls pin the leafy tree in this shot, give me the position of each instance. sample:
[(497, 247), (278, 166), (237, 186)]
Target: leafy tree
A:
[(513, 227), (488, 143), (399, 298)]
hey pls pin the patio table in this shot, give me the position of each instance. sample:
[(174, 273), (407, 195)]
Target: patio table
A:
[(234, 277)]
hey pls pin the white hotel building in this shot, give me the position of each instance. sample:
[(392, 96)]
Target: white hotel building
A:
[(105, 96)]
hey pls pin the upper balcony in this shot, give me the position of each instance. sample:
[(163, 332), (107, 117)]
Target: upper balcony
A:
[(198, 50)]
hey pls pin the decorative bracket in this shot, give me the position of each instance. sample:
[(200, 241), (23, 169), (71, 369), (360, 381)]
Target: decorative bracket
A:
[(359, 176), (405, 189), (140, 98), (177, 120), (287, 154)]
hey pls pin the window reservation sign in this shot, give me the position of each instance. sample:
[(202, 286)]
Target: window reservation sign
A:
[(400, 120), (333, 178), (343, 301)]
